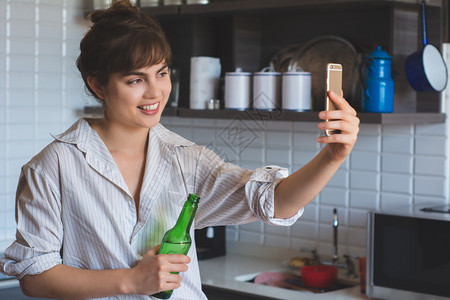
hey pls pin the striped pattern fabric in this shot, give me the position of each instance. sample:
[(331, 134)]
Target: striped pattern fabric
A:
[(73, 206)]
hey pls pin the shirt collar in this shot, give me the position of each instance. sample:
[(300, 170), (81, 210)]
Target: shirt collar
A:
[(80, 134)]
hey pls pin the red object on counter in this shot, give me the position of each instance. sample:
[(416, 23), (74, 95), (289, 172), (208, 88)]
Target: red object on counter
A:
[(322, 277)]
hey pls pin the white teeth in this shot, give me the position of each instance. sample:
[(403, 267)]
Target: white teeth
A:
[(149, 107)]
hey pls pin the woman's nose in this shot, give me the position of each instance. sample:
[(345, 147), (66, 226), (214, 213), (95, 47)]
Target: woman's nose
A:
[(151, 90)]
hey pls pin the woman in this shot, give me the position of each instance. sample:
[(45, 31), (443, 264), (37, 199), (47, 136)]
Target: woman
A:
[(93, 206)]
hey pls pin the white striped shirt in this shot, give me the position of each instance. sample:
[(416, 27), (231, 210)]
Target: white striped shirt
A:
[(74, 207)]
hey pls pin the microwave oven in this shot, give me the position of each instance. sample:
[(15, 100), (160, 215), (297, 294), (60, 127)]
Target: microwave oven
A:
[(408, 255)]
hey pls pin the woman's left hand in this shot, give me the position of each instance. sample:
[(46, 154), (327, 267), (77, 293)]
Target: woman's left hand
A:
[(343, 119)]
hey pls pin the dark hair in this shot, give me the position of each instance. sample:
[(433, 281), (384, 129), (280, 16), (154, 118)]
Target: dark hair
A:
[(121, 39)]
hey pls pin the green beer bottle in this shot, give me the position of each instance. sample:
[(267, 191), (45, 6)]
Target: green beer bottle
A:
[(177, 240)]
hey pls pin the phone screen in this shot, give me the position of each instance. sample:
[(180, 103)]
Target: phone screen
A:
[(334, 83)]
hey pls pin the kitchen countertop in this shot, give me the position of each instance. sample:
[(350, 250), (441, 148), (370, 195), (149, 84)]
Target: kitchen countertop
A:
[(221, 272)]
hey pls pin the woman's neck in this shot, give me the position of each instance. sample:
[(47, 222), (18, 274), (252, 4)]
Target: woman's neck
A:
[(119, 138)]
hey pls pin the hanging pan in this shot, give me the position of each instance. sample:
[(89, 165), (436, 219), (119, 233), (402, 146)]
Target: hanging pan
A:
[(426, 69)]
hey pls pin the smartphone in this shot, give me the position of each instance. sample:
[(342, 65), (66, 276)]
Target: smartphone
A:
[(334, 83)]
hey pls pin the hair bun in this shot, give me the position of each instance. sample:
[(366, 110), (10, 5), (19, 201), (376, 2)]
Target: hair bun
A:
[(118, 7)]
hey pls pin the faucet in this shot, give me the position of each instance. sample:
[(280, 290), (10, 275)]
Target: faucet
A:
[(335, 257)]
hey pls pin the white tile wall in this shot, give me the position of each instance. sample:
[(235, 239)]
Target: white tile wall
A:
[(41, 92), (37, 59)]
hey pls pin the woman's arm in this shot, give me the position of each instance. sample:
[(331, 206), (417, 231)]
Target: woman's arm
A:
[(300, 188), (151, 275)]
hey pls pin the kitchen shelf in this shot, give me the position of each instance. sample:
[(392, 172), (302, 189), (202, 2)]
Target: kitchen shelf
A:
[(291, 116)]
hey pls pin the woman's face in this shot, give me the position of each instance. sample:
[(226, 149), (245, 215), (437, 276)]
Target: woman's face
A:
[(137, 98)]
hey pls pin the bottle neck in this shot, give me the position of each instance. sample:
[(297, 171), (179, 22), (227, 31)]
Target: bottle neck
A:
[(187, 214)]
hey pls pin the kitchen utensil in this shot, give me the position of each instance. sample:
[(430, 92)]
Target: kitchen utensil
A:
[(378, 92), (319, 276), (296, 91), (205, 75), (238, 90), (313, 57), (426, 69), (267, 89)]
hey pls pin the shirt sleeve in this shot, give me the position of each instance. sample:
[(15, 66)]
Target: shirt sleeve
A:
[(231, 195), (39, 227)]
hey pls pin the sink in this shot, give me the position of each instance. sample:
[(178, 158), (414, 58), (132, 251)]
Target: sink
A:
[(290, 279)]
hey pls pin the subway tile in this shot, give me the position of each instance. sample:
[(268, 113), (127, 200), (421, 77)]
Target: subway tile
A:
[(203, 136), (278, 139), (340, 179), (357, 218), (398, 144), (22, 10), (305, 141), (49, 81), (365, 161), (368, 143), (21, 80), (369, 129), (231, 234), (22, 47), (431, 129), (50, 48), (48, 64), (305, 230), (398, 129), (396, 163), (277, 230), (278, 156), (21, 132), (18, 115), (428, 185), (326, 235), (430, 145), (44, 131), (391, 201), (203, 123), (397, 183), (250, 165), (334, 197), (50, 30), (51, 97), (279, 126), (364, 199), (251, 237), (22, 63), (252, 154), (430, 165), (429, 201), (302, 157), (364, 180), (276, 241), (22, 29), (48, 114), (50, 13), (21, 98), (356, 237), (181, 130), (257, 226), (310, 212), (310, 127), (20, 149)]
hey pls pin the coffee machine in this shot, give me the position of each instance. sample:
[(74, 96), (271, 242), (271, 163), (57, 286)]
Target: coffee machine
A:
[(210, 242)]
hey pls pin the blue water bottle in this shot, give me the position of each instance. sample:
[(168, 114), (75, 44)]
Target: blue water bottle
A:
[(378, 92)]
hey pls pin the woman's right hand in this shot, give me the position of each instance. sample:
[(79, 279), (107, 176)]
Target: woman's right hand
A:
[(153, 273)]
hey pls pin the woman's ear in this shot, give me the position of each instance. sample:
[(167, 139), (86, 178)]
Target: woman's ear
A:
[(96, 87)]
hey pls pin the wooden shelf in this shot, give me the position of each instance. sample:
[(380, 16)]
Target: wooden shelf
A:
[(268, 5), (291, 116)]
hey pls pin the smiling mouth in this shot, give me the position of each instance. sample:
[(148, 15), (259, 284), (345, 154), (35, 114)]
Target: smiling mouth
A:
[(149, 107)]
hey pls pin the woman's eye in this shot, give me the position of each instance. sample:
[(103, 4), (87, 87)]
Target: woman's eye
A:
[(163, 73), (135, 81)]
